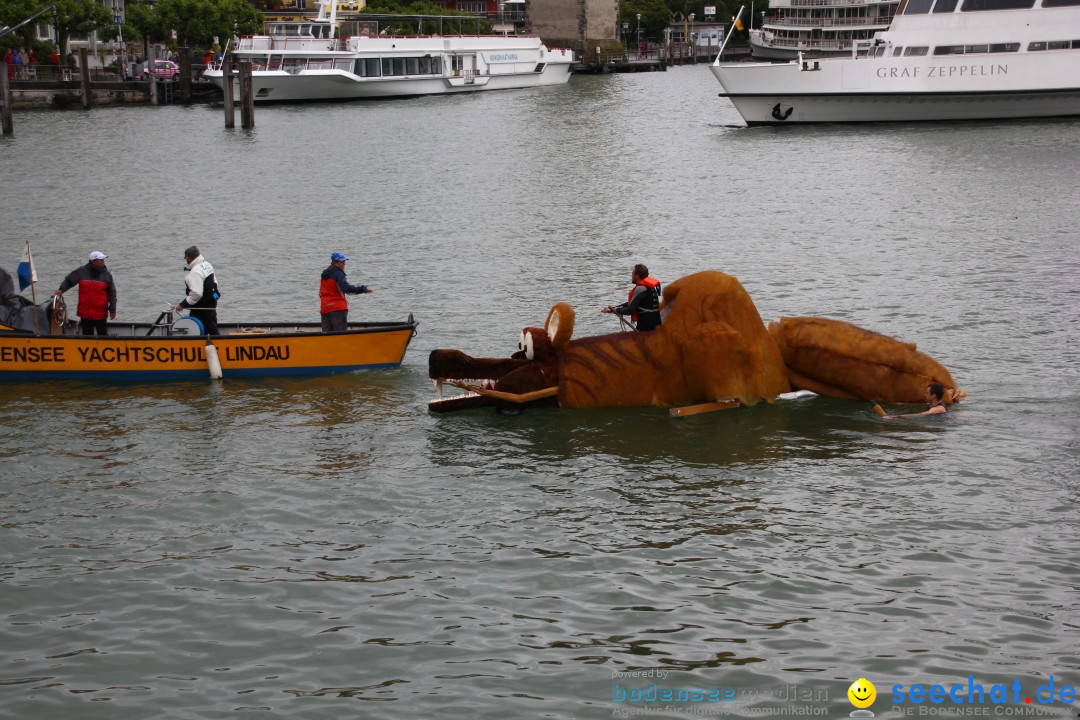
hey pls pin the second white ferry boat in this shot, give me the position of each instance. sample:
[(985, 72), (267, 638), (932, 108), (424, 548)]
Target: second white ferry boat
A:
[(940, 60), (303, 61), (817, 28)]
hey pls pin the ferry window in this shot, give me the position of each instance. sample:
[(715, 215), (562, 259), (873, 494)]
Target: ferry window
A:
[(367, 67), (1036, 46), (1076, 44), (918, 7), (399, 66), (949, 50), (412, 66), (1060, 3), (945, 6), (898, 51), (975, 49), (915, 51), (387, 66), (980, 5), (1005, 47), (1058, 45)]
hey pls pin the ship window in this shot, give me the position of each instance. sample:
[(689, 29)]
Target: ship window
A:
[(1058, 45), (1060, 3), (976, 49), (412, 66), (897, 51), (1036, 46), (1005, 47), (915, 51), (1076, 44), (918, 7), (980, 5), (945, 6), (949, 50), (367, 67)]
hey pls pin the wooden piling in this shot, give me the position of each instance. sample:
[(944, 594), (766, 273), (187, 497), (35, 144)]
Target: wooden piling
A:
[(84, 76), (150, 58), (5, 101), (185, 75), (247, 97), (227, 89)]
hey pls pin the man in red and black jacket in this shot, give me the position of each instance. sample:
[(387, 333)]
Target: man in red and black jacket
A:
[(643, 302), (97, 294), (333, 287)]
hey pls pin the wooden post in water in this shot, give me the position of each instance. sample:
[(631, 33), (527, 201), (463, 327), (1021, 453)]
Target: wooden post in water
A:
[(247, 97), (84, 76), (150, 58), (185, 75), (227, 90), (5, 101)]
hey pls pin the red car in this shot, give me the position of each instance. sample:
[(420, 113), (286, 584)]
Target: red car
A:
[(163, 70)]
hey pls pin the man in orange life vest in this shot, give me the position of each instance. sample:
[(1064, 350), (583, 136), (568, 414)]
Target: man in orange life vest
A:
[(97, 294), (333, 288), (643, 303)]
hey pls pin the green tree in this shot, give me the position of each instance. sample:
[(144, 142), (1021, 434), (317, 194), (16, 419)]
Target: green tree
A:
[(79, 18), (655, 17), (142, 23), (13, 12), (198, 22), (468, 24)]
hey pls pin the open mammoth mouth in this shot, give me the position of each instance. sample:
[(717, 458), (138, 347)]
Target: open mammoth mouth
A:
[(461, 401)]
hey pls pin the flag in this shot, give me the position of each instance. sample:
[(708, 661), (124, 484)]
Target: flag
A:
[(26, 272), (738, 24)]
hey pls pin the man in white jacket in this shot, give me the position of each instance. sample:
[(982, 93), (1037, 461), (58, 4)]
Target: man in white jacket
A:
[(202, 290)]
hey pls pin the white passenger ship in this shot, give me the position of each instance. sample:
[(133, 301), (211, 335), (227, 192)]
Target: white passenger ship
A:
[(940, 60), (303, 61), (818, 28)]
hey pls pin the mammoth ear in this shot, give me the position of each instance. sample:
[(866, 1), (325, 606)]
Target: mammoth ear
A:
[(560, 325)]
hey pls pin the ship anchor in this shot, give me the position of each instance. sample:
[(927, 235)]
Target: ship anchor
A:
[(782, 115)]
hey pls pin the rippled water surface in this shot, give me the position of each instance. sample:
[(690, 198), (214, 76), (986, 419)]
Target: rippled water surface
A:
[(325, 548)]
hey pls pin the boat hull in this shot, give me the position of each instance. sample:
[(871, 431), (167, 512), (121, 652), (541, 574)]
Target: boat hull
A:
[(902, 89), (243, 351), (308, 86)]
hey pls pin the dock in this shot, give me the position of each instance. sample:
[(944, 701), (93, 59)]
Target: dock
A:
[(657, 60)]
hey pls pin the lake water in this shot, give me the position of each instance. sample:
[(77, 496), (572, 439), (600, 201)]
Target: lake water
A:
[(326, 548)]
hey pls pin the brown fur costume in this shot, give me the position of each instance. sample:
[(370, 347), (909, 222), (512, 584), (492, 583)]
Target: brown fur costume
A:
[(711, 346), (841, 360)]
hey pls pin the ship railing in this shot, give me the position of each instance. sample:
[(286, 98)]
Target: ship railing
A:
[(807, 44), (294, 66), (882, 21), (837, 3)]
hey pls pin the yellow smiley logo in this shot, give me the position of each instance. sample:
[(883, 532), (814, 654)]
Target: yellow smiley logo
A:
[(862, 693)]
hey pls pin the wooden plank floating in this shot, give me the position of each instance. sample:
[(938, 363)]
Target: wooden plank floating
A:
[(686, 410)]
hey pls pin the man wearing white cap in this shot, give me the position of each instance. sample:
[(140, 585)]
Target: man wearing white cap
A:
[(97, 294)]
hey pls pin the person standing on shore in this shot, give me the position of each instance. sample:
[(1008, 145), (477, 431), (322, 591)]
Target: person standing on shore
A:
[(97, 294), (202, 290), (333, 287)]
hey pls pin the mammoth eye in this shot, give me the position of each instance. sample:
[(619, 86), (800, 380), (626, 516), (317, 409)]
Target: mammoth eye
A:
[(521, 340), (530, 352)]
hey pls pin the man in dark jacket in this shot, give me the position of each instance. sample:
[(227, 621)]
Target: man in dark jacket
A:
[(333, 287), (643, 302), (97, 294), (201, 287)]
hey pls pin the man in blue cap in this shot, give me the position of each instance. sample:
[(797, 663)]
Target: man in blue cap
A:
[(332, 291)]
